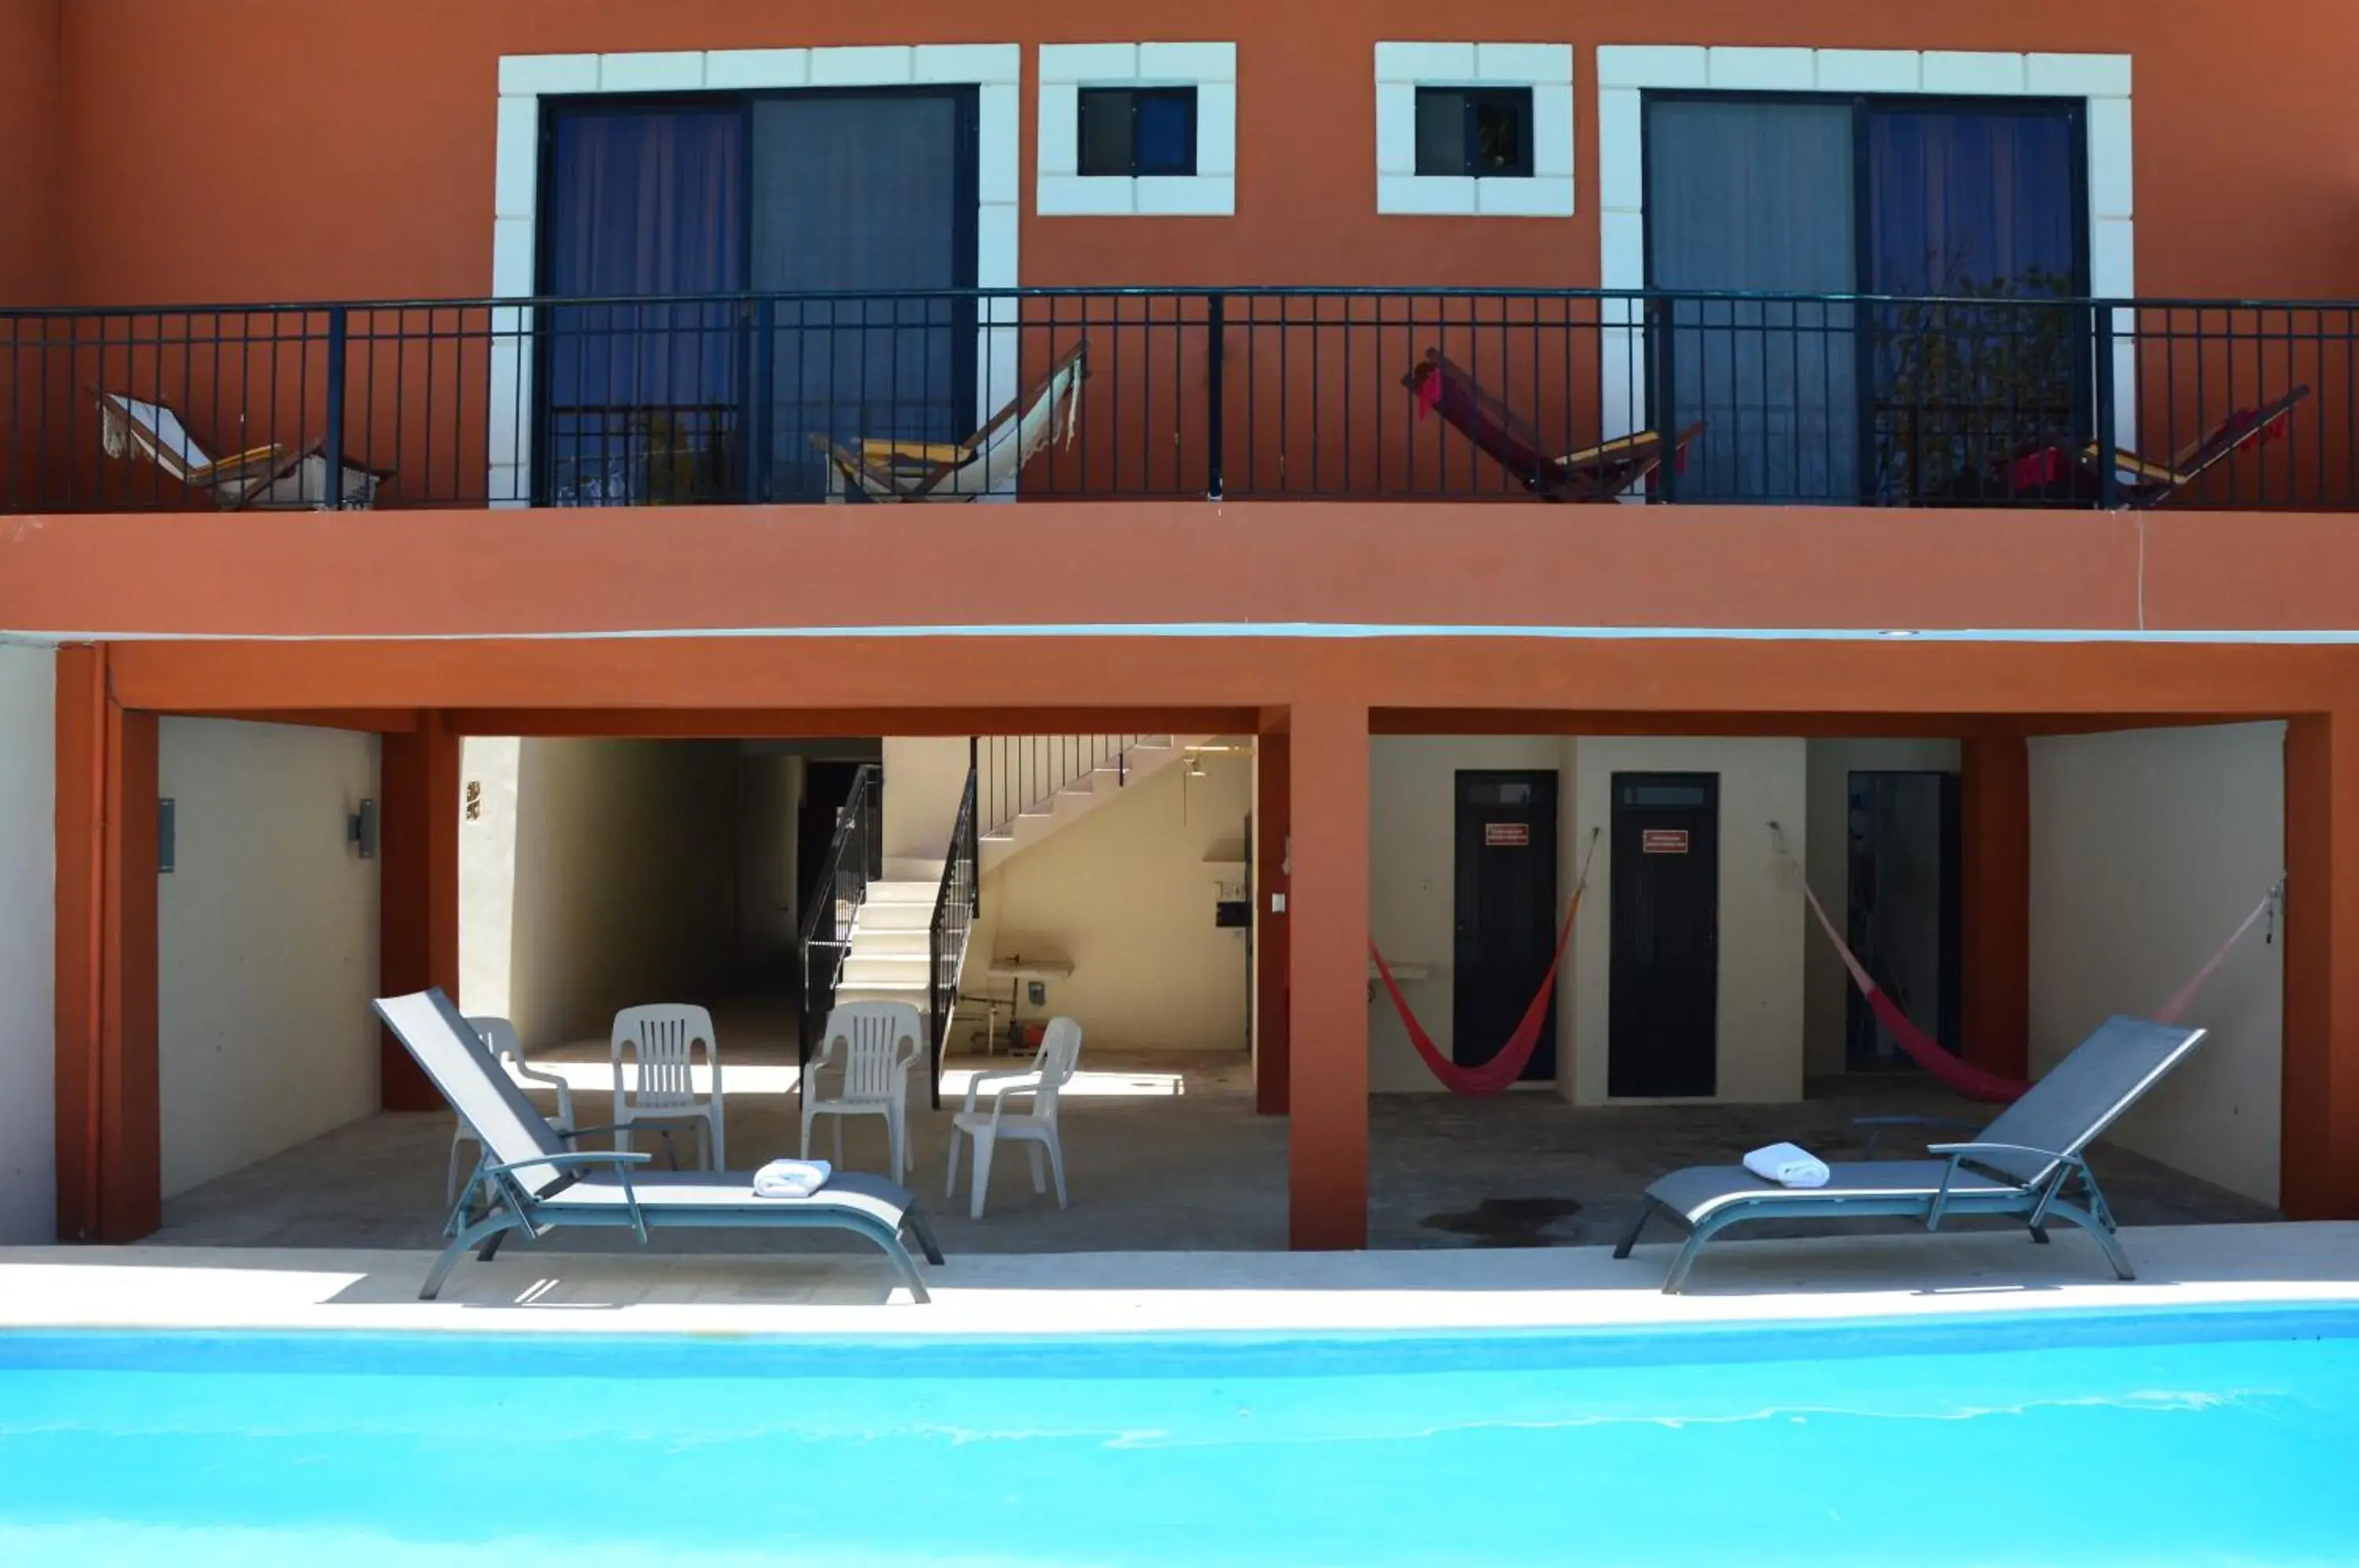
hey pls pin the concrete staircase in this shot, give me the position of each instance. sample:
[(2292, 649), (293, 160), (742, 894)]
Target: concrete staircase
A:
[(887, 958), (1067, 799)]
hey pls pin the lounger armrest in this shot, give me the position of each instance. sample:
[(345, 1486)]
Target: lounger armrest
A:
[(573, 1157), (1970, 1149), (1959, 1153), (586, 1131)]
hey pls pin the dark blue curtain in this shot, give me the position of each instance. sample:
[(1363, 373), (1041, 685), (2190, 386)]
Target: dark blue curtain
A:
[(1976, 207), (642, 400)]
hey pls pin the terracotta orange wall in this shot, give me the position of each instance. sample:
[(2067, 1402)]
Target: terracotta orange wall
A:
[(28, 150), (346, 149)]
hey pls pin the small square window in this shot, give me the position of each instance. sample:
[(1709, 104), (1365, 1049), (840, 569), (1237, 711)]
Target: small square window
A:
[(1477, 132), (1128, 131)]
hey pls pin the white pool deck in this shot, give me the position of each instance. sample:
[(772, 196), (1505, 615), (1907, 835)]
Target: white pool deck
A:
[(539, 1289)]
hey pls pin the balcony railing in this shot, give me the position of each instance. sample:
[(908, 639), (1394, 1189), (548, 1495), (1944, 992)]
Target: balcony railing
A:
[(1245, 394)]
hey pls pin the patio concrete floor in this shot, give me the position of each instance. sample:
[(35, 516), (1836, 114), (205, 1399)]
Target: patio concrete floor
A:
[(1163, 1153)]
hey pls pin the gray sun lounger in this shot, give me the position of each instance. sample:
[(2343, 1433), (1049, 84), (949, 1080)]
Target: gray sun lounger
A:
[(530, 1182), (2023, 1165)]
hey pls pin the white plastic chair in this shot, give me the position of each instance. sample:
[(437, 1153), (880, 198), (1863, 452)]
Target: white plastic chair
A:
[(1061, 1051), (500, 1037), (662, 1037), (874, 1044)]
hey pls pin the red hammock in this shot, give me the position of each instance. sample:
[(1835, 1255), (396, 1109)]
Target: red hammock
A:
[(1494, 1076), (1961, 1075)]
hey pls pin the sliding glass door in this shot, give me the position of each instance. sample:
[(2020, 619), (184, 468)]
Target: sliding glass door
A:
[(647, 398), (1969, 212)]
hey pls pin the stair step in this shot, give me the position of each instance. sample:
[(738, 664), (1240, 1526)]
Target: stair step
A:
[(872, 991), (912, 868), (861, 967), (879, 941), (875, 917), (904, 892)]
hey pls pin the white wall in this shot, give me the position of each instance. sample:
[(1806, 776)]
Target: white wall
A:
[(625, 880), (923, 781), (2148, 847), (488, 864), (1127, 894), (266, 940), (1826, 987), (1761, 913), (28, 840), (1412, 883)]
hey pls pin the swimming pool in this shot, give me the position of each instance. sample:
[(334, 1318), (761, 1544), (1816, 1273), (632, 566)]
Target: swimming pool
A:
[(2214, 1438)]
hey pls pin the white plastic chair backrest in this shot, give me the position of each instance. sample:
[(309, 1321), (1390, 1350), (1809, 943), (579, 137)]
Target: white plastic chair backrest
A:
[(662, 1037), (455, 1056), (157, 431), (499, 1038), (874, 1043), (1055, 404), (1060, 1052)]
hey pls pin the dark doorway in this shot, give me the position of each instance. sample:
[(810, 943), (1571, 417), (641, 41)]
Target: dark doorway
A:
[(1664, 1000), (1903, 893), (1507, 914)]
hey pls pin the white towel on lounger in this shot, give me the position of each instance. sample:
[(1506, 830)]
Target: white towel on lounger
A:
[(1788, 1166), (791, 1178)]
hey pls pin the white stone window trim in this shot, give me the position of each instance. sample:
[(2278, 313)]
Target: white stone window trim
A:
[(1546, 69), (1063, 191), (996, 70), (1627, 72)]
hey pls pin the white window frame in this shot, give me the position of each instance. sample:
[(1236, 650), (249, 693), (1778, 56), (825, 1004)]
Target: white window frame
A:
[(1546, 69), (996, 70), (1626, 73), (1063, 191)]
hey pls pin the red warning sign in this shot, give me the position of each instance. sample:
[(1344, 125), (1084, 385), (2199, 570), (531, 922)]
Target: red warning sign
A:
[(1663, 841), (1508, 835)]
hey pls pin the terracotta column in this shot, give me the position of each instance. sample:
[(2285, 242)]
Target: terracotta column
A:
[(2319, 1144), (1994, 948), (1327, 905), (418, 889), (109, 1127), (1273, 820)]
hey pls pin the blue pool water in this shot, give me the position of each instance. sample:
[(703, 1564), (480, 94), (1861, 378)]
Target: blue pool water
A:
[(2221, 1438)]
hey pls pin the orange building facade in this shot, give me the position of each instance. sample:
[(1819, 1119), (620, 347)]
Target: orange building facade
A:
[(1254, 531)]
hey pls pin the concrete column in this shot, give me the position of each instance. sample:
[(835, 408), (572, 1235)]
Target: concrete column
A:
[(1273, 820), (1995, 850), (2319, 1152), (1327, 906), (109, 1135), (418, 889)]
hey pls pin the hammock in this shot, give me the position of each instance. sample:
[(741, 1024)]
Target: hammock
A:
[(1957, 1073), (1494, 1076)]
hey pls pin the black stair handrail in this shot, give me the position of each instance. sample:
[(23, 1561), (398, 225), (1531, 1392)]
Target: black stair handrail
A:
[(851, 865), (956, 903)]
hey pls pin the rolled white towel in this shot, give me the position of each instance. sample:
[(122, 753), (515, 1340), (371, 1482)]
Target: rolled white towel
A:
[(1789, 1165), (791, 1178)]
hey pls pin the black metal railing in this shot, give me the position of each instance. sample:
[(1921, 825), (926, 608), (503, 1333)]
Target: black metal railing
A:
[(1020, 774), (956, 903), (855, 859), (1241, 392)]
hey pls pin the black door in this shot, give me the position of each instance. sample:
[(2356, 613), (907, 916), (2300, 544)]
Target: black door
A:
[(1902, 914), (1506, 914), (1663, 1004)]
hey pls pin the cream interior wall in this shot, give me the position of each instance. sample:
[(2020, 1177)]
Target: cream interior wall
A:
[(487, 864), (28, 839), (924, 778), (266, 940), (1412, 887), (1127, 894), (623, 881), (1826, 987), (1760, 968), (2148, 847)]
